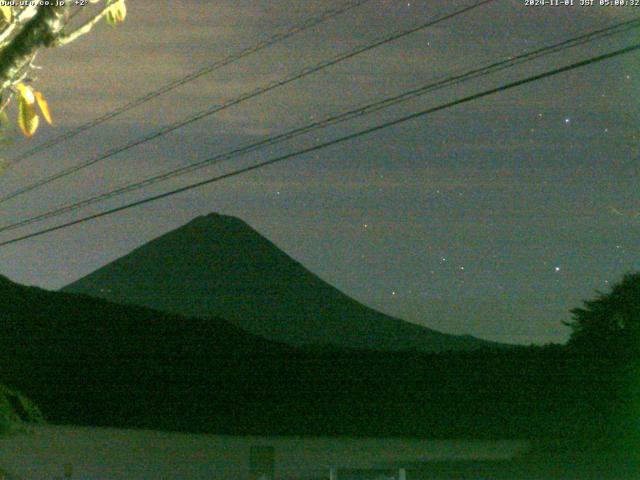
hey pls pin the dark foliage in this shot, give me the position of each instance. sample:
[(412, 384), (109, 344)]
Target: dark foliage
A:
[(606, 331), (16, 411), (88, 361), (610, 324)]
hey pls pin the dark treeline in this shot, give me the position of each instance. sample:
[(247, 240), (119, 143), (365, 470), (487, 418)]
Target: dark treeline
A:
[(88, 361)]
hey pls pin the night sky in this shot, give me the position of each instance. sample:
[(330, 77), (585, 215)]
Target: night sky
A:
[(492, 218)]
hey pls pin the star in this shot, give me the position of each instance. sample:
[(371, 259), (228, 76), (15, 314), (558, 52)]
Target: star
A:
[(567, 120), (557, 269)]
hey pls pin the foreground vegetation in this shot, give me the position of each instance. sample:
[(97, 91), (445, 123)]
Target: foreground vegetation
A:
[(16, 411), (87, 361)]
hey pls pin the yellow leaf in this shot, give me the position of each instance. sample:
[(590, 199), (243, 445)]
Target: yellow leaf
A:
[(27, 118), (117, 12), (44, 107), (121, 10), (6, 13), (26, 92)]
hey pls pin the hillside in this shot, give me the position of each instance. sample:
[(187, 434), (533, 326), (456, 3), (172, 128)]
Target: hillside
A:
[(86, 361), (218, 265)]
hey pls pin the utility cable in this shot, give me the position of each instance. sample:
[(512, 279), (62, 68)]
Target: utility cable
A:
[(279, 37), (324, 145), (358, 112), (260, 91)]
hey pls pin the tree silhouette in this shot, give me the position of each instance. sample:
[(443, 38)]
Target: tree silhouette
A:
[(611, 322), (28, 27)]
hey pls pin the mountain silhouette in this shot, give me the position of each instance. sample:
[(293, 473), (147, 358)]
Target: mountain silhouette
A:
[(217, 265)]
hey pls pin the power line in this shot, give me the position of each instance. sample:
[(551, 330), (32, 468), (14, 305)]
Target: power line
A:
[(336, 141), (364, 110), (279, 37), (260, 91)]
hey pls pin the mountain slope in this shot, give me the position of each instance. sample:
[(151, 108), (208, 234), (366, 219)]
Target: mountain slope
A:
[(219, 266), (85, 360)]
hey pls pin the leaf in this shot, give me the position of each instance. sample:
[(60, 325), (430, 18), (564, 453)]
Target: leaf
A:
[(110, 18), (44, 107), (28, 120), (121, 10), (26, 92), (117, 12), (6, 13)]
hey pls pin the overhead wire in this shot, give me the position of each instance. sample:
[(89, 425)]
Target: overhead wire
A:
[(234, 57), (247, 96), (474, 73), (345, 138)]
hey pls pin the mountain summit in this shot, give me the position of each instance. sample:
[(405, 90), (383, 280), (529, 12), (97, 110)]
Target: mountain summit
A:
[(218, 266)]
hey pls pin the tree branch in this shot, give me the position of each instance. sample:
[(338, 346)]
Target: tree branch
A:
[(83, 29), (41, 31), (22, 16)]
